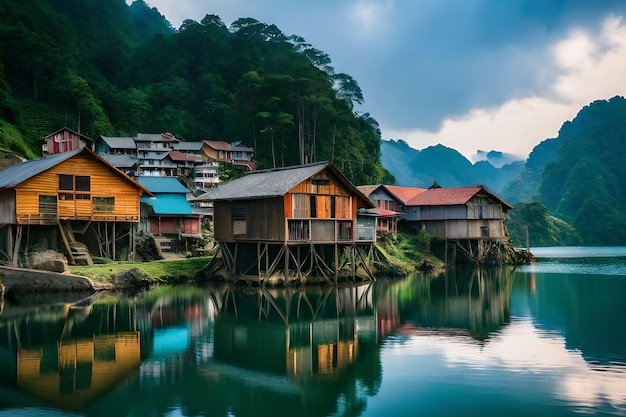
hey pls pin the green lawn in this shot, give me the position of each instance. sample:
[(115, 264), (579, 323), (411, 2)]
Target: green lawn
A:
[(157, 271)]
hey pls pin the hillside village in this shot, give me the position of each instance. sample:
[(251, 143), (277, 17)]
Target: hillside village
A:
[(91, 198)]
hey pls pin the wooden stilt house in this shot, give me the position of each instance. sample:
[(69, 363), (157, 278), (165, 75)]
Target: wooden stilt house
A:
[(71, 192), (472, 218), (291, 223)]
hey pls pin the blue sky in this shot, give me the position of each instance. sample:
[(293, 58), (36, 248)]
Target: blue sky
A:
[(469, 74)]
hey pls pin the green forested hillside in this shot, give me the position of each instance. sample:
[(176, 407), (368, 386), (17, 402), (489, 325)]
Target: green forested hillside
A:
[(586, 183), (106, 68)]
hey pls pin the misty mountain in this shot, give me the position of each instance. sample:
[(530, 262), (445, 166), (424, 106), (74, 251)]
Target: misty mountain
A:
[(570, 190), (446, 166)]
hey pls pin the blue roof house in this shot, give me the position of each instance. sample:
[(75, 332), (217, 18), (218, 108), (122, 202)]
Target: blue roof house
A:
[(168, 212)]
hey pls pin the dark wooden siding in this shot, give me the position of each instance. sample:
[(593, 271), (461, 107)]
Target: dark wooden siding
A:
[(7, 207), (223, 220), (263, 220)]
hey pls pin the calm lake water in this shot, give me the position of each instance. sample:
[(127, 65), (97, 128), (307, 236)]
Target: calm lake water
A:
[(542, 340)]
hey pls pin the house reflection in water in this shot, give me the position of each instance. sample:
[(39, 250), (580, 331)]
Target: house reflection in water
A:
[(302, 335), (82, 363)]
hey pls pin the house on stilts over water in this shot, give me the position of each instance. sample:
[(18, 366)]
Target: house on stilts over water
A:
[(292, 225), (75, 199), (470, 219)]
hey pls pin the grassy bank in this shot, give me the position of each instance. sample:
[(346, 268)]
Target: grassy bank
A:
[(106, 274)]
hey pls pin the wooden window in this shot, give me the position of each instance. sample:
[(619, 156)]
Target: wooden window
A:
[(104, 204), (240, 210), (47, 205), (66, 182), (300, 206), (313, 200), (333, 204), (83, 183)]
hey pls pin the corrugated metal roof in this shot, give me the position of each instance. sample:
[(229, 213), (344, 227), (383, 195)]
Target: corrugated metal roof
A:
[(275, 183), (168, 204), (19, 173), (119, 142), (444, 196), (188, 146), (120, 161), (266, 183), (169, 185)]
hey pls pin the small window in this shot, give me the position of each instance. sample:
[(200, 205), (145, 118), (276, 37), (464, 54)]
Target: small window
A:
[(333, 204), (83, 196), (240, 210), (83, 183), (66, 182), (66, 196), (103, 204), (313, 206)]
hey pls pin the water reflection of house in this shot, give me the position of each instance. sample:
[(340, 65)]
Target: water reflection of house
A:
[(77, 371), (318, 343), (474, 305)]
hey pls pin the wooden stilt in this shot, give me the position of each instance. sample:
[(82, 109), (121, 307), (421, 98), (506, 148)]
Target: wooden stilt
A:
[(16, 249), (114, 243)]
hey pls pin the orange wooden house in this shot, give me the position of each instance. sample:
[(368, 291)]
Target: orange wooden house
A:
[(74, 191)]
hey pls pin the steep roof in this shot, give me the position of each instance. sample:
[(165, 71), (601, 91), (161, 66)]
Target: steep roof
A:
[(158, 185), (368, 189), (404, 194), (17, 174), (120, 161), (181, 157), (119, 142), (71, 131), (218, 145), (451, 196), (275, 183)]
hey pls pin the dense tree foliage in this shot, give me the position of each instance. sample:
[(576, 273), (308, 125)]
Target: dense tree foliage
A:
[(103, 67), (543, 228), (585, 185)]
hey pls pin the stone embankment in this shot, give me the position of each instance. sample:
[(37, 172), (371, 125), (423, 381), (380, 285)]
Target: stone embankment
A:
[(31, 281)]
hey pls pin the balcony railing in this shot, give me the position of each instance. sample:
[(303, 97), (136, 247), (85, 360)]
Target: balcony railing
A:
[(318, 230), (50, 213)]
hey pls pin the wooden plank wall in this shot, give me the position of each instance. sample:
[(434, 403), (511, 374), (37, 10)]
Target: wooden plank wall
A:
[(104, 183), (7, 207)]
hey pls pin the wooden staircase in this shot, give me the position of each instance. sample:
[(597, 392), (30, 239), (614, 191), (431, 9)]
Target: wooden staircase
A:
[(164, 244), (77, 252)]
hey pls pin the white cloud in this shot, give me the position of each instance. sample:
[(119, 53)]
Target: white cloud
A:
[(592, 68), (522, 348), (368, 17)]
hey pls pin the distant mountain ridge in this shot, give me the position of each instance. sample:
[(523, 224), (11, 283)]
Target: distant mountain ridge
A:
[(578, 178), (447, 166)]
